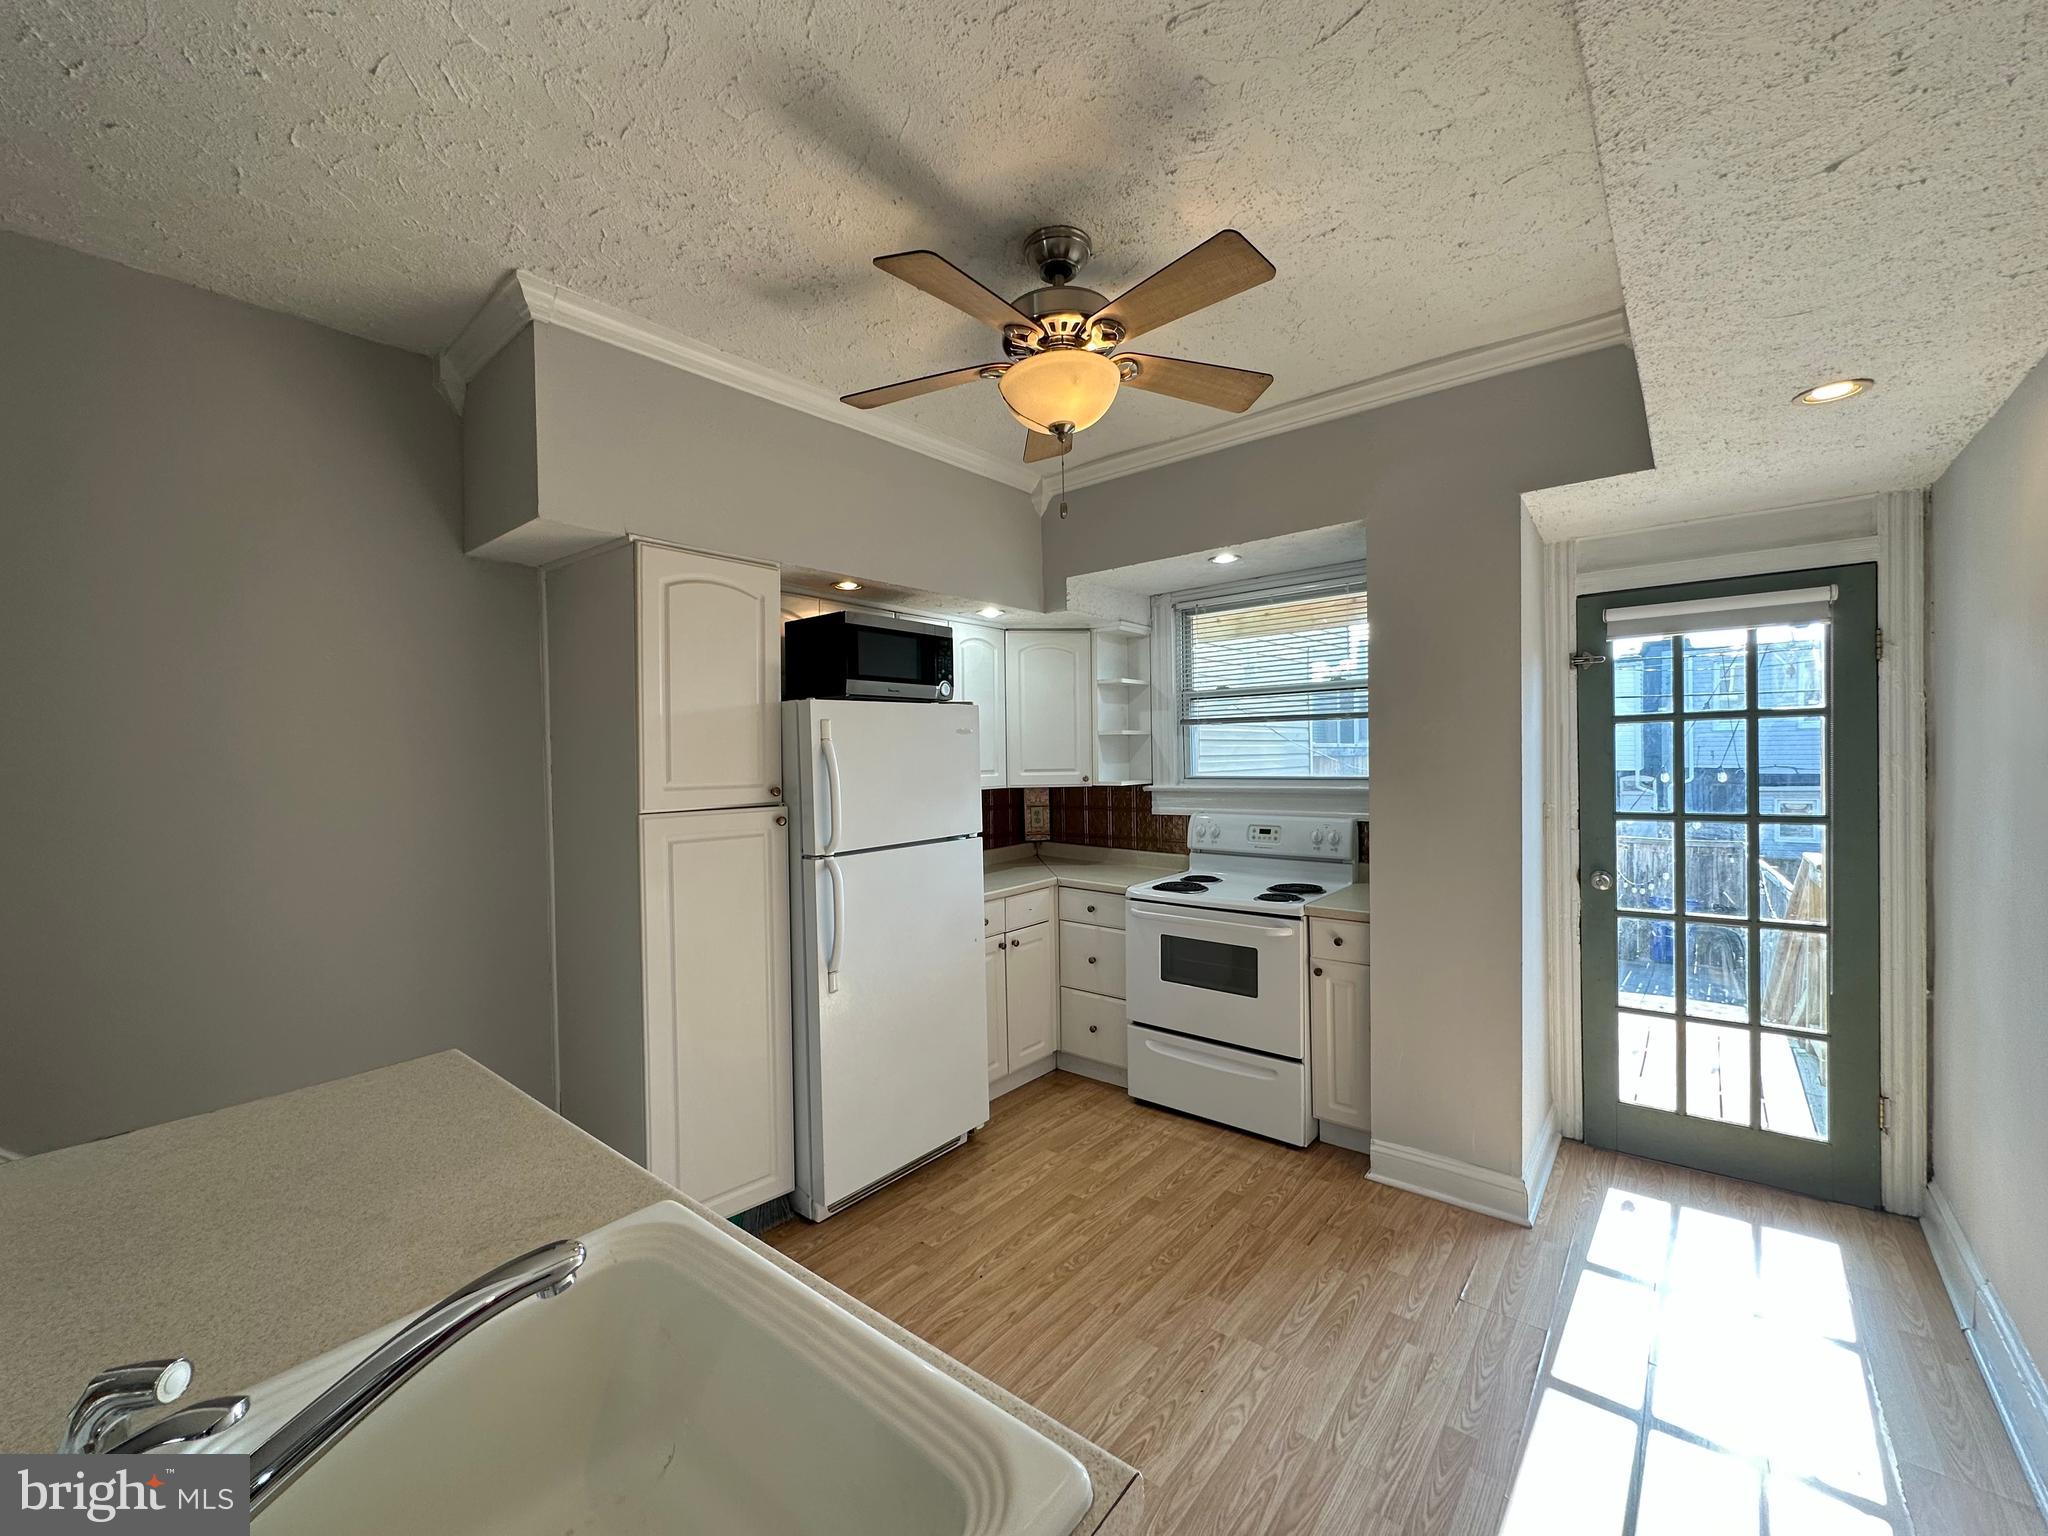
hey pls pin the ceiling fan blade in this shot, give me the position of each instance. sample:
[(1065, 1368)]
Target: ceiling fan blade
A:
[(1043, 445), (910, 389), (1222, 265), (1228, 389), (942, 280)]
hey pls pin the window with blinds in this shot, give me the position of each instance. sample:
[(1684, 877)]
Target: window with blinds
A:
[(1276, 687)]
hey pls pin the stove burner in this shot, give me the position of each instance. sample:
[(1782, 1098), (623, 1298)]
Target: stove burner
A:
[(1180, 887), (1297, 888), (1277, 895), (1202, 879)]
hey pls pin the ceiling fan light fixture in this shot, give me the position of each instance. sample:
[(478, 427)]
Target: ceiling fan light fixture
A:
[(1065, 386)]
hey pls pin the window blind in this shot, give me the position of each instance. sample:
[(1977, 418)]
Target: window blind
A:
[(1256, 659)]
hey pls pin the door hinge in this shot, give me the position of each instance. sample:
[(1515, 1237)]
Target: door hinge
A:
[(1884, 1115), (1880, 645), (1584, 659)]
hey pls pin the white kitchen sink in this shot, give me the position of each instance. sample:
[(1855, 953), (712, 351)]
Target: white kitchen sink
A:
[(684, 1384)]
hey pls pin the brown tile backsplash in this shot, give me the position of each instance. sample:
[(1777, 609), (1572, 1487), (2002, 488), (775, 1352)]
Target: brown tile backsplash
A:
[(1099, 818)]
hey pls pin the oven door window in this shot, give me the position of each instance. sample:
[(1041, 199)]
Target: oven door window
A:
[(1213, 967), (888, 656)]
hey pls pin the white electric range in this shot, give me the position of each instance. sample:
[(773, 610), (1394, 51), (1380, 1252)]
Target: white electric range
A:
[(1217, 970)]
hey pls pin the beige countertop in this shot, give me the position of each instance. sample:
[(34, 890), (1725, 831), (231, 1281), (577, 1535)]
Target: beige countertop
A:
[(1010, 872), (1353, 904), (256, 1237)]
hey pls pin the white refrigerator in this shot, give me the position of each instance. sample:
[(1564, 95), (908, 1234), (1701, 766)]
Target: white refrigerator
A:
[(890, 1011)]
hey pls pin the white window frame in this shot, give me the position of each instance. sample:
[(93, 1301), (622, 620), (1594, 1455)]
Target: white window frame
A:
[(1173, 792)]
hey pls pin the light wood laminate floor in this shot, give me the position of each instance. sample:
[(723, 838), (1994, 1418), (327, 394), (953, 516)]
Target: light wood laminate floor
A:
[(1282, 1346)]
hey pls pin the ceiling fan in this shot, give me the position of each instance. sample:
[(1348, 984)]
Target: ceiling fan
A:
[(1064, 370)]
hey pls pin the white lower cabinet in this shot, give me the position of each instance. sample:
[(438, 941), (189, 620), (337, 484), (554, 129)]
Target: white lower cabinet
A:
[(1092, 977), (995, 983), (1018, 975), (715, 912), (1340, 1037), (1092, 1027)]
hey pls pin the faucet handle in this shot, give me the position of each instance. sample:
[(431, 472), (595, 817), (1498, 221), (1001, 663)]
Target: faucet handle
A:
[(119, 1391)]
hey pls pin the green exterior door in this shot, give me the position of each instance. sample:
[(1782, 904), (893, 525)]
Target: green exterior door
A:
[(1729, 882)]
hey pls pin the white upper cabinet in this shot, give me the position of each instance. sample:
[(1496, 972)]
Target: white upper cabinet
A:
[(710, 682), (978, 680), (1049, 706)]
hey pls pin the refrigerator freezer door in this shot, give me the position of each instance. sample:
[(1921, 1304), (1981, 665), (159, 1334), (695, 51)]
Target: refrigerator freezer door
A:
[(871, 773), (890, 1062)]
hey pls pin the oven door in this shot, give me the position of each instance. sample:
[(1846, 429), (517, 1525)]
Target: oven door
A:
[(898, 659), (1232, 977)]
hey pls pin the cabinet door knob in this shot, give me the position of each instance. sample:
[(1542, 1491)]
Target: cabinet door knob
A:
[(1091, 959), (775, 791), (1092, 1028), (783, 821), (1084, 778), (1319, 970), (1001, 945)]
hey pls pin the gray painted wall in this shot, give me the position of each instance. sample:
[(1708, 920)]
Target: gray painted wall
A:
[(1438, 482), (271, 769), (627, 445), (1988, 719)]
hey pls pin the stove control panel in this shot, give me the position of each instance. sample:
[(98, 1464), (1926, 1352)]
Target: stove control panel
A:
[(1288, 837)]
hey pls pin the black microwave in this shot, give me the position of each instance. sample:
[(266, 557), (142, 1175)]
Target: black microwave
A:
[(866, 656)]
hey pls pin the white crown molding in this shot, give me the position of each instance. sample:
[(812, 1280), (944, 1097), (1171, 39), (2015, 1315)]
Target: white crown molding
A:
[(1467, 367), (522, 299)]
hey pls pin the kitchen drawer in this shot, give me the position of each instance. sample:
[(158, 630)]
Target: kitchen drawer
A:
[(1092, 1026), (992, 919), (1332, 940), (1103, 909), (1092, 958), (1261, 1094), (1023, 911)]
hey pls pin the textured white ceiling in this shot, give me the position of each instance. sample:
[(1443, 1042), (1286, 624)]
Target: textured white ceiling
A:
[(1810, 191), (1423, 173)]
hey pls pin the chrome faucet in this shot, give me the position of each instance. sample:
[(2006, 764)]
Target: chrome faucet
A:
[(113, 1400)]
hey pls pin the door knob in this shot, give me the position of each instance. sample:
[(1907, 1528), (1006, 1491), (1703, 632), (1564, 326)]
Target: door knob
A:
[(1602, 881)]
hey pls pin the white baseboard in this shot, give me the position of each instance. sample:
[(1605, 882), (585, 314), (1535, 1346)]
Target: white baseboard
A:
[(1081, 1066), (1020, 1077), (1455, 1183), (2008, 1369), (1540, 1159), (1344, 1136)]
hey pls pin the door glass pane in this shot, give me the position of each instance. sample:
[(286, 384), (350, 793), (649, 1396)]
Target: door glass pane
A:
[(1717, 1073), (1642, 766), (1645, 951), (1717, 765), (1716, 670), (1791, 759), (1717, 868), (1649, 1061), (1213, 967), (1794, 994), (1642, 676), (1717, 971), (1792, 871), (1795, 1085), (1791, 666), (1643, 856)]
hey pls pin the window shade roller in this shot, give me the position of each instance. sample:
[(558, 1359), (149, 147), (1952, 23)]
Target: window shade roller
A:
[(1253, 659), (1802, 605)]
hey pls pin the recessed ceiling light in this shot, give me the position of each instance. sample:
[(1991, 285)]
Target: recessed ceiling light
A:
[(1833, 390), (990, 612), (1226, 558), (846, 586)]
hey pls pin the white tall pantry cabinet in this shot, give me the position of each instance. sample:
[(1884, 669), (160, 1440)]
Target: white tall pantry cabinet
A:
[(671, 866)]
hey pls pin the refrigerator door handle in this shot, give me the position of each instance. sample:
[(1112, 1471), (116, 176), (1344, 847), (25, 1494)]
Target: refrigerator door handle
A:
[(838, 923), (831, 750)]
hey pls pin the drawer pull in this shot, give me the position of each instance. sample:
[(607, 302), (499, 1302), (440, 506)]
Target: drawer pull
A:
[(1091, 906), (1337, 941), (1319, 970), (1092, 1028), (1091, 959)]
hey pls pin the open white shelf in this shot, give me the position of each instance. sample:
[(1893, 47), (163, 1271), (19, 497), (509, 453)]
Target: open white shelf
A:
[(1123, 706)]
